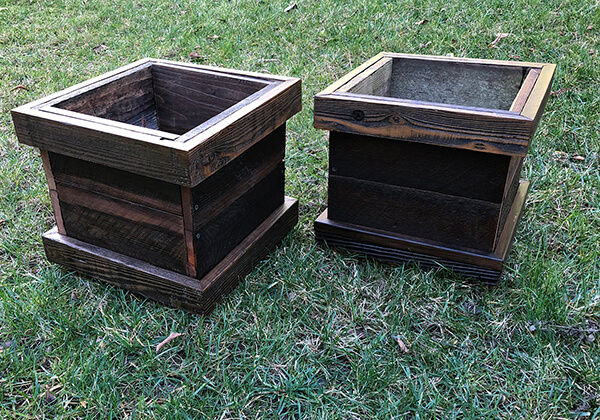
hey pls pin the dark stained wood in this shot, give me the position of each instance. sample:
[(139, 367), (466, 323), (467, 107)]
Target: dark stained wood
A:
[(456, 221), (451, 126), (187, 98), (266, 102), (119, 100), (227, 139), (214, 238), (165, 286), (510, 190), (397, 248), (218, 191), (52, 191), (116, 183), (188, 231), (512, 221), (458, 172), (125, 227)]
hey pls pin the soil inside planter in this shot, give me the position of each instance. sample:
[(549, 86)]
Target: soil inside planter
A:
[(446, 82), (165, 98)]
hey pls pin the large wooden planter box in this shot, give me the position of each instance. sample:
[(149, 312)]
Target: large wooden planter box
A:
[(425, 155), (165, 178)]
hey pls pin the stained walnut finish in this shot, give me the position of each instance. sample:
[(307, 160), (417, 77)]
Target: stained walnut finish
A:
[(425, 155), (160, 172)]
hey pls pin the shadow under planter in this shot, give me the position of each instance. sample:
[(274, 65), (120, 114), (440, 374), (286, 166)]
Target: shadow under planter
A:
[(166, 178), (425, 156)]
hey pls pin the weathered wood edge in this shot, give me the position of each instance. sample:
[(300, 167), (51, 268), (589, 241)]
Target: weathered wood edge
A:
[(77, 88), (346, 78), (231, 113), (525, 90), (54, 199), (401, 242), (90, 119), (512, 221), (464, 60), (401, 125), (216, 146), (362, 76), (234, 72), (377, 246), (536, 102), (165, 286)]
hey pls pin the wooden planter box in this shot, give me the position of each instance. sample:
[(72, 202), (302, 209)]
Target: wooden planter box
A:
[(165, 178), (425, 155)]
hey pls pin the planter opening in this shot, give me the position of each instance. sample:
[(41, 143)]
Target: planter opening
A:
[(165, 98)]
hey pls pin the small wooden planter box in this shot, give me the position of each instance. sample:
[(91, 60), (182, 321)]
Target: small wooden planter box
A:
[(425, 155), (165, 178)]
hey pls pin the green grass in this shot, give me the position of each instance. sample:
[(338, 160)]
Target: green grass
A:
[(311, 333)]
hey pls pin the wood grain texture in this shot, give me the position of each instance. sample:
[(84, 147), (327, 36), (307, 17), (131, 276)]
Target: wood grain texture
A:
[(537, 100), (475, 129), (189, 159), (116, 183), (375, 80), (165, 286), (462, 173), (451, 220), (507, 235), (526, 89), (119, 100), (214, 238), (56, 210), (396, 248), (187, 98), (121, 226), (227, 139), (218, 191)]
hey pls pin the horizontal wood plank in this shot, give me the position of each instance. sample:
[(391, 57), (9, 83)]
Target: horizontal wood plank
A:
[(392, 247), (214, 238), (218, 191), (187, 98), (446, 219), (165, 286), (376, 80), (463, 173), (121, 226), (116, 183), (475, 129), (227, 139)]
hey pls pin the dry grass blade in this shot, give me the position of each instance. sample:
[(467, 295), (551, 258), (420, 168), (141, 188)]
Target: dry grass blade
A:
[(167, 340)]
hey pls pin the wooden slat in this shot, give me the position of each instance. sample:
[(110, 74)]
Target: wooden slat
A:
[(510, 227), (346, 78), (438, 217), (458, 172), (347, 234), (536, 102), (525, 91), (52, 191), (118, 100), (116, 183), (215, 147), (475, 129), (214, 238), (134, 230), (186, 98), (187, 209), (375, 80), (165, 286), (510, 190), (464, 60), (218, 191)]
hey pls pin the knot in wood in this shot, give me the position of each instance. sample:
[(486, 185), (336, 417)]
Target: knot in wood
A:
[(358, 115)]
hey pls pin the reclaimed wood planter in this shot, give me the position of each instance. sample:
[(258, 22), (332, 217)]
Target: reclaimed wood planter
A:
[(425, 155), (165, 178)]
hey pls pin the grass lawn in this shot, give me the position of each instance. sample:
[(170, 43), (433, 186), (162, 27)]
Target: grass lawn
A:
[(311, 333)]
